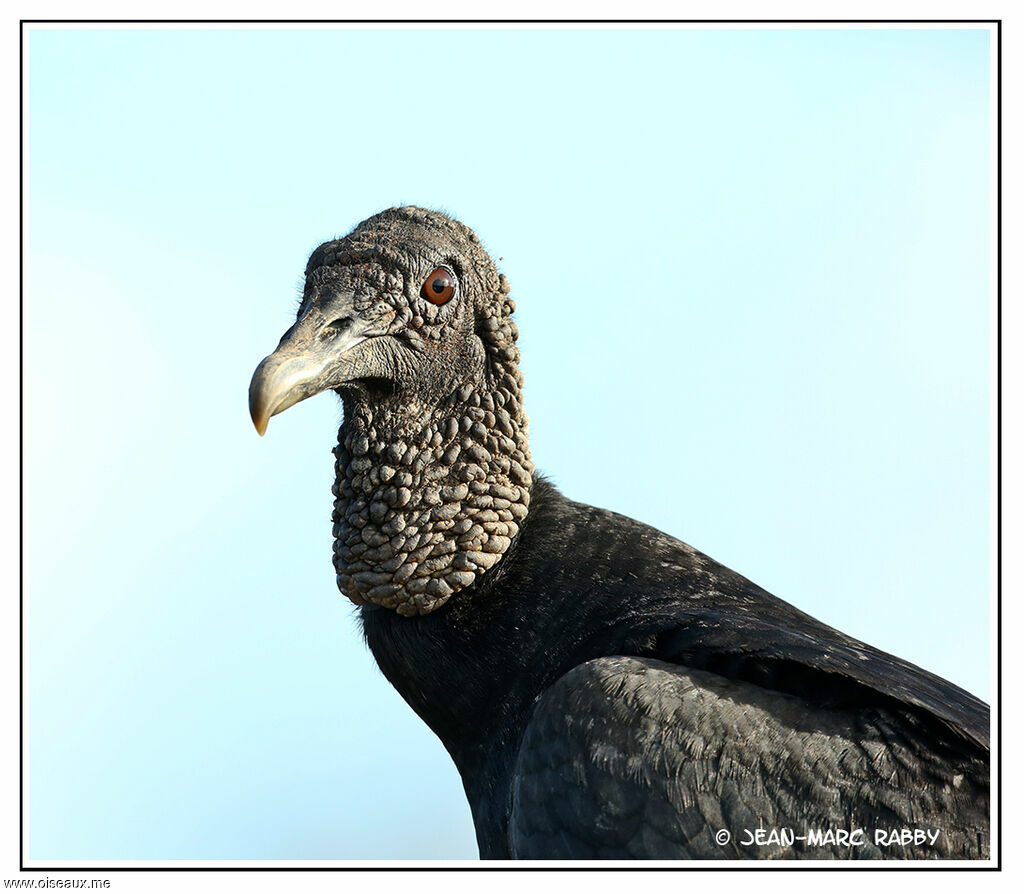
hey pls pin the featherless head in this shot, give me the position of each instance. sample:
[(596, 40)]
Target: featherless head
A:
[(408, 320)]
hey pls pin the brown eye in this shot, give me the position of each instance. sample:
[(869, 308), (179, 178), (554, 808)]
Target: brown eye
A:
[(439, 287)]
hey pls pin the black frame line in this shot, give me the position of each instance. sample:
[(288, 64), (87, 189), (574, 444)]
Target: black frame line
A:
[(790, 866)]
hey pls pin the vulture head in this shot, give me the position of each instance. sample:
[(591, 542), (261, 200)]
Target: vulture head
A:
[(409, 322)]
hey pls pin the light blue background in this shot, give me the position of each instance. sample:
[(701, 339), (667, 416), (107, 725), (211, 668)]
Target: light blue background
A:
[(752, 270)]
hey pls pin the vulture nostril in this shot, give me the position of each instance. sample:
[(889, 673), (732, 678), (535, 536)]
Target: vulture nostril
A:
[(336, 327)]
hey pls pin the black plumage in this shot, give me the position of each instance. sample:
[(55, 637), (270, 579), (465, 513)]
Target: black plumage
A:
[(605, 690), (593, 694)]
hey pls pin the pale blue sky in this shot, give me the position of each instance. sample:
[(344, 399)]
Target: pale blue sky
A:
[(752, 271)]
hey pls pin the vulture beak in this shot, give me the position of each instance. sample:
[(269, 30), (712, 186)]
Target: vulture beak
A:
[(313, 356)]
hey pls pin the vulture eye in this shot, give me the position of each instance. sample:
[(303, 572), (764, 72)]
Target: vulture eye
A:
[(439, 287)]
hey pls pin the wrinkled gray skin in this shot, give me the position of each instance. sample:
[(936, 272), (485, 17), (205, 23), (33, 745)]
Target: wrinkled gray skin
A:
[(433, 469)]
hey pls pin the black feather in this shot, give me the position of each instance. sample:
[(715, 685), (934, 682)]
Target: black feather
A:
[(556, 754)]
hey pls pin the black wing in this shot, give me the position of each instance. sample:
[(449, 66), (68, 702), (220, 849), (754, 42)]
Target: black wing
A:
[(642, 592), (638, 758)]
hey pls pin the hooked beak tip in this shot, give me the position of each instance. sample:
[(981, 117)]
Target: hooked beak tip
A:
[(258, 402)]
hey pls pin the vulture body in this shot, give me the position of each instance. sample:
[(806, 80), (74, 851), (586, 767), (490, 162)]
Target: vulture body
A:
[(605, 690)]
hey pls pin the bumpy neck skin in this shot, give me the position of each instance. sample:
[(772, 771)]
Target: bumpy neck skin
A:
[(429, 495)]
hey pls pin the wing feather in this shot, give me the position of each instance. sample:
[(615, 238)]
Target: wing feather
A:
[(639, 758)]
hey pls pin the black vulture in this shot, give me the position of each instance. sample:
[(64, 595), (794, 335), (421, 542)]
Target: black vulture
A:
[(605, 690)]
